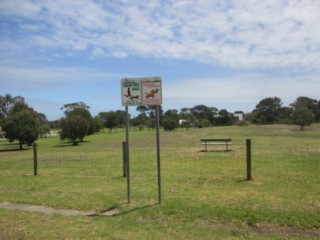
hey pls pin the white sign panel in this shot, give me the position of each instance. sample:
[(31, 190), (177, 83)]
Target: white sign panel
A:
[(131, 92), (141, 91)]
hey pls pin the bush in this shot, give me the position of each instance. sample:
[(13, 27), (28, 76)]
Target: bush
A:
[(170, 124)]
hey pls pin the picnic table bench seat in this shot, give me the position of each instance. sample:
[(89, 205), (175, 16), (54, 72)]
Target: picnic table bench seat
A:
[(216, 141)]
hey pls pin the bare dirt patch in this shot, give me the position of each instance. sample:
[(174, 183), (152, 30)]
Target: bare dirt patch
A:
[(285, 231), (264, 228), (49, 210)]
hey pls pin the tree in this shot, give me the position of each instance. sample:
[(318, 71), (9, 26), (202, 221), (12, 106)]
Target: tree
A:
[(252, 116), (142, 116), (97, 124), (22, 126), (82, 109), (152, 112), (302, 116), (312, 104), (69, 107), (121, 118), (151, 123), (6, 103), (21, 122), (171, 120), (170, 124), (285, 115), (202, 112), (74, 128), (44, 128), (224, 118), (268, 110), (85, 113), (112, 119)]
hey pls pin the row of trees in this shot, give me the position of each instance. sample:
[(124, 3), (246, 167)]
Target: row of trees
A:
[(21, 122), (303, 111)]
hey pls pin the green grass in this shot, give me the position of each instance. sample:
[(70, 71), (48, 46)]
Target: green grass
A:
[(204, 194)]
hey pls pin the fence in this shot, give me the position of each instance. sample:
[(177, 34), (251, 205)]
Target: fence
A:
[(277, 161)]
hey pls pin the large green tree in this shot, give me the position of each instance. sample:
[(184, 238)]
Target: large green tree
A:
[(23, 126), (81, 109), (74, 128), (84, 113), (78, 122), (268, 110), (312, 104), (302, 116)]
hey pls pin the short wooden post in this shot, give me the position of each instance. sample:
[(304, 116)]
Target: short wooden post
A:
[(249, 176), (124, 159), (35, 160)]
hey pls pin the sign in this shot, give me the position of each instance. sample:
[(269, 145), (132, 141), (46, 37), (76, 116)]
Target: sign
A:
[(135, 92), (141, 91), (151, 92), (131, 92)]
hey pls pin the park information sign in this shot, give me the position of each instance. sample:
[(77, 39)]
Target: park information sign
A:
[(135, 92), (141, 91)]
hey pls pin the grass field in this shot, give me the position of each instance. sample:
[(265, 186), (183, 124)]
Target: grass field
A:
[(204, 194)]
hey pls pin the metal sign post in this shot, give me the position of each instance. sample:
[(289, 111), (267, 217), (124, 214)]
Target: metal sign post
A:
[(142, 91), (158, 155), (127, 156)]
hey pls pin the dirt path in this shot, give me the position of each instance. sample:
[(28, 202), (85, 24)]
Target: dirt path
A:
[(48, 210), (269, 229)]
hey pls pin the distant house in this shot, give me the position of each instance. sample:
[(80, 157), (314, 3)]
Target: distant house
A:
[(239, 115), (183, 121)]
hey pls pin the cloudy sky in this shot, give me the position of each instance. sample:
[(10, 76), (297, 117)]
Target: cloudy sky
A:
[(222, 53)]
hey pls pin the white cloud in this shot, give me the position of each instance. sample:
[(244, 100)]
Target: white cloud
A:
[(238, 34), (40, 77), (241, 90), (22, 8), (40, 39)]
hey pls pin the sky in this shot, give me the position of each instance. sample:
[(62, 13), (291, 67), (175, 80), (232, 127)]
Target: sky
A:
[(228, 54)]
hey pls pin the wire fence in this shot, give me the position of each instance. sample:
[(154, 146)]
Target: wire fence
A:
[(175, 161), (184, 163)]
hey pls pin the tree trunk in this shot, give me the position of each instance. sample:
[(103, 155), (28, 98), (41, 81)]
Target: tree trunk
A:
[(20, 143)]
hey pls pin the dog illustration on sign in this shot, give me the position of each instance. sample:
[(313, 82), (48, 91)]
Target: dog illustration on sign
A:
[(152, 93)]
